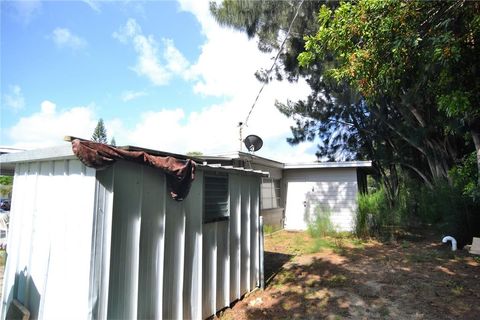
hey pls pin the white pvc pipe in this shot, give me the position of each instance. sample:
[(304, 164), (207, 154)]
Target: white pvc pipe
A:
[(452, 239)]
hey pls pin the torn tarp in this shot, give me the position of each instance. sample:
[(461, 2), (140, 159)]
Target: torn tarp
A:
[(179, 173)]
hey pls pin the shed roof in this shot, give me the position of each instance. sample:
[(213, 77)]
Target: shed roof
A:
[(64, 152)]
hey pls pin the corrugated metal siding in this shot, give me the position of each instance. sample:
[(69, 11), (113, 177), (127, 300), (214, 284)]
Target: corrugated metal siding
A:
[(192, 285), (254, 232), (43, 271), (125, 249), (235, 235), (223, 265), (206, 265), (209, 269), (245, 237), (101, 244), (124, 266), (151, 245)]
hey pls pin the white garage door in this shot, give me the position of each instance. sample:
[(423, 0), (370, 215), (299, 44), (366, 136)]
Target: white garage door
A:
[(331, 191)]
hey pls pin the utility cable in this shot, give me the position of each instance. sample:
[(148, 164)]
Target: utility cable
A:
[(273, 65)]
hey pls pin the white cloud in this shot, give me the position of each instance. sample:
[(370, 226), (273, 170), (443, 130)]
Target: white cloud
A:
[(14, 98), (149, 63), (48, 126), (226, 67), (26, 10), (176, 62), (131, 95), (213, 130), (63, 37)]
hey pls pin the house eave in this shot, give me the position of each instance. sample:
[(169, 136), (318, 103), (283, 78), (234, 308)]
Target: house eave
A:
[(328, 165)]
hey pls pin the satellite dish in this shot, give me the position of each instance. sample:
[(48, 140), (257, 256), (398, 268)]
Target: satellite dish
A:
[(253, 143)]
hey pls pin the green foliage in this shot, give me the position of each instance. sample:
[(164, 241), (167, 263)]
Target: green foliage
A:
[(443, 206), (6, 180), (100, 133), (373, 213), (415, 61), (269, 229), (6, 184), (5, 191), (465, 176), (395, 82), (321, 225), (194, 153), (322, 243), (113, 142), (455, 103)]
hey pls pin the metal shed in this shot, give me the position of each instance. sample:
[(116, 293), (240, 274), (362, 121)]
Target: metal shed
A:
[(112, 243)]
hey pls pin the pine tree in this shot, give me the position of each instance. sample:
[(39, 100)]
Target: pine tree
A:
[(100, 133), (113, 142)]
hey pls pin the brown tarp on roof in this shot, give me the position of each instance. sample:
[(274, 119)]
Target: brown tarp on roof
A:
[(179, 173)]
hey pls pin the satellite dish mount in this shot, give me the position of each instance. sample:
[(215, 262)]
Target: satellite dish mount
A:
[(253, 143)]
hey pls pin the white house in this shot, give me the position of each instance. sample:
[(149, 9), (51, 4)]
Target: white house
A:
[(294, 192)]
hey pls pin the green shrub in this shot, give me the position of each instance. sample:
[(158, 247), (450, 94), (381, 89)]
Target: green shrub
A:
[(465, 177), (372, 213), (449, 208), (320, 225)]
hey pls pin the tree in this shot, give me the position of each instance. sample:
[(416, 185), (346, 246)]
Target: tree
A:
[(100, 133), (113, 142), (416, 59), (352, 123), (334, 111), (194, 153)]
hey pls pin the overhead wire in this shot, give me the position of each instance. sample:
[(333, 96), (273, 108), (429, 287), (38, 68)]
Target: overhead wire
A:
[(273, 66)]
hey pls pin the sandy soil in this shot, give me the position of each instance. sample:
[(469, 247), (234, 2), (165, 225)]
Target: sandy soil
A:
[(416, 278)]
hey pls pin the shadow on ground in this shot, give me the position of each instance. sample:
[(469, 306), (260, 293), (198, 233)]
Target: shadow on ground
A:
[(273, 264), (404, 280)]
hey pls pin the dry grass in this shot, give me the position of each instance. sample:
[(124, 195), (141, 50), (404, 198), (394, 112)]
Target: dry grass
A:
[(342, 277)]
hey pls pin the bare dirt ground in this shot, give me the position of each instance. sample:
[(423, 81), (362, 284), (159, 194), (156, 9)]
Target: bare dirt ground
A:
[(418, 278)]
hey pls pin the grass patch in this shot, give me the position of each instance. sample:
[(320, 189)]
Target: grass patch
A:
[(338, 244), (405, 244), (431, 256), (322, 243), (283, 278), (458, 290), (3, 257), (336, 280), (269, 229), (384, 312), (325, 236), (289, 242)]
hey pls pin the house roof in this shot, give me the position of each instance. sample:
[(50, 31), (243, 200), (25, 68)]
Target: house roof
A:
[(323, 165), (276, 164)]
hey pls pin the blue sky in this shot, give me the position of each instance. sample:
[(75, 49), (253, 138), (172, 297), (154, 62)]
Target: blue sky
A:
[(162, 75)]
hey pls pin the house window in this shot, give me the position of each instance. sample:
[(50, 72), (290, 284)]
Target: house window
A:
[(270, 193), (216, 204)]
